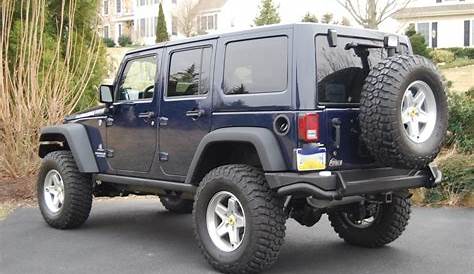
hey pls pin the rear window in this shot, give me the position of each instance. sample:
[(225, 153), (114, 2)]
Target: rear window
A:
[(189, 72), (340, 72), (256, 66)]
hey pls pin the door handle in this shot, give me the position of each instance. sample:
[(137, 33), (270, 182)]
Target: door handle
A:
[(147, 115), (194, 113)]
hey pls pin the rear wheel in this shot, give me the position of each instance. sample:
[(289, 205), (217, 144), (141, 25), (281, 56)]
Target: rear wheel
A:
[(372, 224), (238, 220), (176, 204), (64, 193)]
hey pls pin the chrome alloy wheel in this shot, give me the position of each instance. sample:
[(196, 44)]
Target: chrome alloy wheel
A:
[(225, 219), (53, 191), (418, 111)]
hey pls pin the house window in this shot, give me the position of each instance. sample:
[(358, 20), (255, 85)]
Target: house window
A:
[(106, 7), (472, 29), (118, 6), (147, 27), (106, 31), (119, 30), (142, 27), (152, 26), (424, 29), (467, 33), (174, 25), (208, 22), (434, 34)]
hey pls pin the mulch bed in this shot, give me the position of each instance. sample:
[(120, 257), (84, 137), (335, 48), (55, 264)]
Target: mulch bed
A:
[(14, 190)]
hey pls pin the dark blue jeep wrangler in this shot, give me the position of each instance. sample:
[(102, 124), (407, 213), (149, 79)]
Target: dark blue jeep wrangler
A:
[(249, 128)]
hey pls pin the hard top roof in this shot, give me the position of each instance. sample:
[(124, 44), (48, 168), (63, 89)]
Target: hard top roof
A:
[(359, 32)]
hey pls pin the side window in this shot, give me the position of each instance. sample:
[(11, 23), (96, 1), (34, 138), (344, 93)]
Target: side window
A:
[(256, 66), (189, 72), (138, 79)]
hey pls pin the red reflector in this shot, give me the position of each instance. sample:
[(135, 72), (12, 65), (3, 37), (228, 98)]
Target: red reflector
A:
[(308, 127)]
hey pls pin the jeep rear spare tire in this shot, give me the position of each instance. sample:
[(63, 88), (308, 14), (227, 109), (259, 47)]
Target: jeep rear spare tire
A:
[(403, 112)]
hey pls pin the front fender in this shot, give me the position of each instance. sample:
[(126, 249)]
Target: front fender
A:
[(262, 139), (77, 141)]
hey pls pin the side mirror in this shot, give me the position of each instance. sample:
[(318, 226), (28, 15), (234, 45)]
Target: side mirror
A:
[(105, 94)]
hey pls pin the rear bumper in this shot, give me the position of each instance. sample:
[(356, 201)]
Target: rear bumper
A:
[(346, 183)]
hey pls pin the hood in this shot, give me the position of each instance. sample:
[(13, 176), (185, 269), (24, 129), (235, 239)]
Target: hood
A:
[(87, 113)]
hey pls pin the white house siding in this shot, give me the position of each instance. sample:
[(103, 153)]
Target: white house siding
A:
[(145, 16), (450, 31), (240, 14), (450, 16)]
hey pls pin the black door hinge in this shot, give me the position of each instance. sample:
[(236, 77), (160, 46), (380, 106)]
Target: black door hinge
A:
[(109, 121), (163, 156), (163, 121), (109, 153)]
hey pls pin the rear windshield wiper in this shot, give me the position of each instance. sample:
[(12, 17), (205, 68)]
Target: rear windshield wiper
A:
[(354, 45)]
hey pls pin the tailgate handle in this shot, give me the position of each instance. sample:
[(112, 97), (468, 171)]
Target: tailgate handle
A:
[(336, 124)]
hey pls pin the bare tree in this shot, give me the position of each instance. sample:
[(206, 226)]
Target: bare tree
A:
[(186, 16), (44, 77), (371, 13)]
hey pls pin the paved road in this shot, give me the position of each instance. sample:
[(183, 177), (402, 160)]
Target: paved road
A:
[(139, 236)]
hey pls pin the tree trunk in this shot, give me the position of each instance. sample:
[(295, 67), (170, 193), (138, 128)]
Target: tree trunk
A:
[(372, 15)]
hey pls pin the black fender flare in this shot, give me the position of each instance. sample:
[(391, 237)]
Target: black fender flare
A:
[(77, 141), (262, 139)]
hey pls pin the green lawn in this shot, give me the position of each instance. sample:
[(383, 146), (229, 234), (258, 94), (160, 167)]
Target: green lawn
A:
[(461, 77), (459, 62)]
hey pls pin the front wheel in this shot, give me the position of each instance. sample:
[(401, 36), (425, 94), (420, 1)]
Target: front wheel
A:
[(64, 193), (372, 224), (238, 220)]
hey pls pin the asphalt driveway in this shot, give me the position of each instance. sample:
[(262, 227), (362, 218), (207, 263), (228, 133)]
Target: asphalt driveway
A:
[(139, 236)]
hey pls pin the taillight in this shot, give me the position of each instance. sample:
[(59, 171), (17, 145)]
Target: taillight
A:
[(308, 127)]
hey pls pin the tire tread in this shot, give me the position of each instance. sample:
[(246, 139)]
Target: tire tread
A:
[(267, 214), (79, 187)]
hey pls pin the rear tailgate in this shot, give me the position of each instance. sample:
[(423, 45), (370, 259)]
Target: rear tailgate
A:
[(341, 73), (341, 136)]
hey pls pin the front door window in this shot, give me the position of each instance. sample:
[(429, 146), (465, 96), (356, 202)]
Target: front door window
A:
[(138, 80)]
